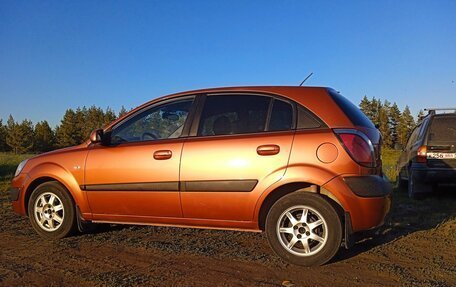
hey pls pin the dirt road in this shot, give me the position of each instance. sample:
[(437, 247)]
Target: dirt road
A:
[(417, 247)]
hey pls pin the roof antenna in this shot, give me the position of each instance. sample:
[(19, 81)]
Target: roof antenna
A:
[(303, 81)]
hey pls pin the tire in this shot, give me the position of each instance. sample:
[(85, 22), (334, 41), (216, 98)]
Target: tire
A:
[(414, 189), (402, 184), (51, 211), (322, 229)]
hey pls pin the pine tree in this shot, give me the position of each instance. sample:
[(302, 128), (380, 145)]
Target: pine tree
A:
[(44, 137), (394, 118), (420, 115), (13, 135), (19, 136), (3, 145), (405, 127), (383, 123), (28, 133), (376, 107), (69, 131), (109, 116), (122, 112)]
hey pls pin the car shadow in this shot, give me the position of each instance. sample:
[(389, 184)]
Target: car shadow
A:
[(406, 217)]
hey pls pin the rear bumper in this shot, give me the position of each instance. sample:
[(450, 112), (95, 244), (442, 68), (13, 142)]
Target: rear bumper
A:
[(368, 209), (434, 175), (369, 186)]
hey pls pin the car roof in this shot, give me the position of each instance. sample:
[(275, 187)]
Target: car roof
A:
[(315, 99)]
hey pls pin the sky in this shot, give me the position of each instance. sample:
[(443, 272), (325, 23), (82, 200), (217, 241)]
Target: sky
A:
[(56, 55)]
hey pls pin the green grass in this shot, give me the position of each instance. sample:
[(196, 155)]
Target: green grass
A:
[(390, 158), (8, 164)]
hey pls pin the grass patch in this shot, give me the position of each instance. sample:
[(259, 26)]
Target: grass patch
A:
[(389, 159), (9, 163)]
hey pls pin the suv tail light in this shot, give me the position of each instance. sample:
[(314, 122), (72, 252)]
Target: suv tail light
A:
[(358, 146), (421, 154)]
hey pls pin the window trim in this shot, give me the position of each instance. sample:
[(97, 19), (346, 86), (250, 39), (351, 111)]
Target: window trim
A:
[(202, 100), (185, 129)]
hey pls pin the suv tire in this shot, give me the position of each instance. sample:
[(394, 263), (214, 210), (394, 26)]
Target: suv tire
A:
[(415, 190), (304, 229)]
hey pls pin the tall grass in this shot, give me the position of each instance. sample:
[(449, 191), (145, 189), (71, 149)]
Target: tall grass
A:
[(9, 162), (389, 159)]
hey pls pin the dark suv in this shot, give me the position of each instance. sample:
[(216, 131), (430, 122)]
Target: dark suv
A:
[(429, 158)]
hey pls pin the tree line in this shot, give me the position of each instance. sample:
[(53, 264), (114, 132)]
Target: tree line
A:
[(394, 125), (75, 127)]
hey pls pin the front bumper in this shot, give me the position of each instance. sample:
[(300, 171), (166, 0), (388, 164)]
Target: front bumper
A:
[(17, 193), (14, 193)]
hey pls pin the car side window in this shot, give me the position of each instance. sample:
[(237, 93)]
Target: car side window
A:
[(161, 122), (233, 114), (306, 120), (281, 116)]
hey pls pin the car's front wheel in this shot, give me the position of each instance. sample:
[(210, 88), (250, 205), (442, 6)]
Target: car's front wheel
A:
[(304, 229), (51, 211)]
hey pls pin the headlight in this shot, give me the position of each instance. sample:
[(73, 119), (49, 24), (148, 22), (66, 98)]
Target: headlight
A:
[(20, 167)]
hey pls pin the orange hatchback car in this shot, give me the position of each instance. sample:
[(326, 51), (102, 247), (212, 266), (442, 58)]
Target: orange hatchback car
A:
[(300, 163)]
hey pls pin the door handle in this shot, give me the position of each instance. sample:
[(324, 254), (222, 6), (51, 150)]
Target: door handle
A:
[(269, 149), (163, 154)]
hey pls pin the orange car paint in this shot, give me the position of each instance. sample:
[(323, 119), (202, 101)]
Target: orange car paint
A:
[(314, 157)]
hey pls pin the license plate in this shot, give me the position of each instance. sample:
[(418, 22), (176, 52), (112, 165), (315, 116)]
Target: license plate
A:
[(441, 155)]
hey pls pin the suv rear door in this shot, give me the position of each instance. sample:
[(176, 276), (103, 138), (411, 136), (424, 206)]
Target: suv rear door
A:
[(241, 145), (441, 141)]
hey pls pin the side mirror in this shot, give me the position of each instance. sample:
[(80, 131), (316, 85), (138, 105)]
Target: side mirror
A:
[(96, 136)]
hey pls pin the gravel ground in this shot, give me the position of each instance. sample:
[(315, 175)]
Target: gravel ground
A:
[(416, 247)]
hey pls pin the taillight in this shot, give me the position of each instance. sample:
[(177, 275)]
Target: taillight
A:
[(421, 154), (358, 146)]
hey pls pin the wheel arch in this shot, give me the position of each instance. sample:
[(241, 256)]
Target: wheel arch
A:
[(49, 172), (287, 188)]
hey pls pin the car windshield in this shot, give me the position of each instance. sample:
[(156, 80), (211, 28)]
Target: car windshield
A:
[(443, 130)]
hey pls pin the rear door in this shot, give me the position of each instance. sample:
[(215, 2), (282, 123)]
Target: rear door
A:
[(441, 142), (241, 145)]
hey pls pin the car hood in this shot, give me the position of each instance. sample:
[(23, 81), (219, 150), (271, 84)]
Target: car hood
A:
[(62, 150)]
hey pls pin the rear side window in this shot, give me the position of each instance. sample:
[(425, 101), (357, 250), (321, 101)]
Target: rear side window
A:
[(232, 114), (306, 120), (356, 116), (442, 130), (281, 116)]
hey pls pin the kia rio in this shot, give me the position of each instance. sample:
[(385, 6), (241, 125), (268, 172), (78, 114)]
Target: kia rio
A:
[(299, 163)]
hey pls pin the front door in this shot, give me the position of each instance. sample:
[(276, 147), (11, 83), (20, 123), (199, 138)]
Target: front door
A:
[(137, 173), (242, 146)]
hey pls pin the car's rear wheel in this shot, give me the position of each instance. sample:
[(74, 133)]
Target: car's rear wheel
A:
[(304, 229), (51, 211)]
